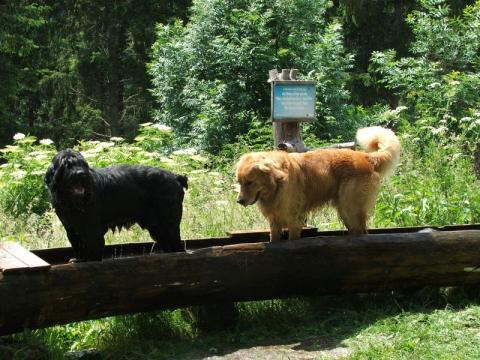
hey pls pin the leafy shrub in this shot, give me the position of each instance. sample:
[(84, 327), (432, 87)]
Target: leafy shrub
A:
[(439, 85), (21, 177), (330, 64), (210, 76), (435, 183)]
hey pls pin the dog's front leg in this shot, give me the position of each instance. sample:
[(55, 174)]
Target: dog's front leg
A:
[(294, 231), (91, 247), (295, 224), (74, 241), (275, 231)]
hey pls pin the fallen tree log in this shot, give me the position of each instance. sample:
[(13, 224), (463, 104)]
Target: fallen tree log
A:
[(62, 255), (321, 265)]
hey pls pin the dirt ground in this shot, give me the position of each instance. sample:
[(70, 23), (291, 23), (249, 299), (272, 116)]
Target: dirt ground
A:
[(318, 348)]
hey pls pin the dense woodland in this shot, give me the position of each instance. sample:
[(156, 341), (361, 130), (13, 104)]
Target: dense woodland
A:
[(93, 69)]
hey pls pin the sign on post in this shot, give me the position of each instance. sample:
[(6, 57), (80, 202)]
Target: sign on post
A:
[(293, 100)]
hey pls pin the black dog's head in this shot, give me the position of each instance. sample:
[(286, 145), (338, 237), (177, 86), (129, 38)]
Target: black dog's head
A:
[(69, 178)]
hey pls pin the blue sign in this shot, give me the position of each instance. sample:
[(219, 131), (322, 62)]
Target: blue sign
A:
[(293, 101)]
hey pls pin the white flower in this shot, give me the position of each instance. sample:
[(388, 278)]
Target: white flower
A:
[(19, 174), (456, 156), (221, 203), (167, 160), (88, 154), (46, 142), (161, 127), (438, 130), (199, 158), (38, 172), (188, 151), (399, 109), (148, 154), (18, 136), (108, 144)]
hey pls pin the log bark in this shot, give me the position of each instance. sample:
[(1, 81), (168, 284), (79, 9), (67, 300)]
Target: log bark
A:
[(325, 265)]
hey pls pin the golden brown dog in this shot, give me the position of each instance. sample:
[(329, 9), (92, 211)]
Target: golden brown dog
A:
[(287, 186)]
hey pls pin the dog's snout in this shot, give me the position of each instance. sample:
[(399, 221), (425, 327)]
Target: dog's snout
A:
[(241, 201)]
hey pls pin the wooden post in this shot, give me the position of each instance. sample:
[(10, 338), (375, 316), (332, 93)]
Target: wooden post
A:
[(322, 265), (287, 136)]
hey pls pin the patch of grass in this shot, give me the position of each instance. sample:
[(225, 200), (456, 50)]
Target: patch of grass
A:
[(430, 323), (433, 186), (445, 332)]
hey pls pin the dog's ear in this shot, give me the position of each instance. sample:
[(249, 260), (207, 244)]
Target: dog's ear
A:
[(279, 174), (265, 168), (272, 168), (48, 179), (54, 171)]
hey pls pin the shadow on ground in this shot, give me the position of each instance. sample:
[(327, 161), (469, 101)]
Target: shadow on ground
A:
[(299, 328)]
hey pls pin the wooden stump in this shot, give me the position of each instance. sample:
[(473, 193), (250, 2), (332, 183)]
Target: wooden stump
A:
[(287, 137)]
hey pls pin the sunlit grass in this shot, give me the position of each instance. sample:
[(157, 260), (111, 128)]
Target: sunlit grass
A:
[(438, 188)]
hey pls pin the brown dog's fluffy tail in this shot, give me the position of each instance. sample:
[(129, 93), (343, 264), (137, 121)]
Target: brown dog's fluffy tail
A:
[(383, 146)]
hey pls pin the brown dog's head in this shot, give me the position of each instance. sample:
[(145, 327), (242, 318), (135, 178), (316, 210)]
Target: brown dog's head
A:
[(259, 176)]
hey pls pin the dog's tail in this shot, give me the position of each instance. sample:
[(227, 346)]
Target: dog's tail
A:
[(383, 146), (183, 180)]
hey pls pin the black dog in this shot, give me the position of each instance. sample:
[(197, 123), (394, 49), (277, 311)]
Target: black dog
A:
[(91, 201)]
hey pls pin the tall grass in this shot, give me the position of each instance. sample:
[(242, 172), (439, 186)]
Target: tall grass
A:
[(434, 184)]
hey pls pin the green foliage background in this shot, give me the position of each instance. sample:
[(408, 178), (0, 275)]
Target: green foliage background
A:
[(95, 69), (209, 76), (208, 89)]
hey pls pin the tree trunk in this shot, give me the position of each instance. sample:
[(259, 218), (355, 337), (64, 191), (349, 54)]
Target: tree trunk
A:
[(114, 88)]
